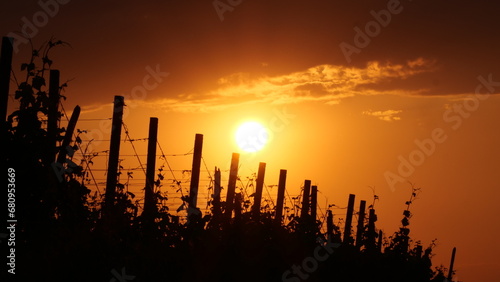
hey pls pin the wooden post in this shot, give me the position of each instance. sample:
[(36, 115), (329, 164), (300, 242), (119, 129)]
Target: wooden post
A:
[(361, 227), (149, 199), (258, 190), (238, 200), (371, 230), (114, 151), (61, 158), (314, 201), (231, 185), (217, 186), (5, 69), (379, 245), (329, 223), (53, 118), (217, 189), (348, 219), (305, 200), (281, 196), (450, 272), (65, 149), (195, 171)]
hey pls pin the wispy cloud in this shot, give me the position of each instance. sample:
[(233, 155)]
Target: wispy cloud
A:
[(96, 107), (327, 84), (388, 115)]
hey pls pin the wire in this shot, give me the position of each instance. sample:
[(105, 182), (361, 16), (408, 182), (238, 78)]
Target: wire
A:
[(208, 171), (133, 146), (124, 140), (211, 184), (269, 194), (170, 169), (90, 119)]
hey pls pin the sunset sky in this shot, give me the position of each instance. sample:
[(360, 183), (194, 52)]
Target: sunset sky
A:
[(354, 94)]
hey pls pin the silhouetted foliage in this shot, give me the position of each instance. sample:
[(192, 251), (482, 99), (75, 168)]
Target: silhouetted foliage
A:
[(63, 235)]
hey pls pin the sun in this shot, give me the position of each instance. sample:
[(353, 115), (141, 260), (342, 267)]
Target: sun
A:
[(251, 136)]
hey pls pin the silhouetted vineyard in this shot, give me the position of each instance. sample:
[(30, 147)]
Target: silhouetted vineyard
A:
[(66, 233)]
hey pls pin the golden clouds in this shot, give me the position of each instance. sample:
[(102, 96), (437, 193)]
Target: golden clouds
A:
[(388, 115), (327, 84)]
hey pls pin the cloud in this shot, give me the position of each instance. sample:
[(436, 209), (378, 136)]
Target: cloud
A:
[(388, 115), (327, 84), (95, 108)]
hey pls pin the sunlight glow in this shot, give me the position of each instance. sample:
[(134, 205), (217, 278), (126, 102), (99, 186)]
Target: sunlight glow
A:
[(251, 136)]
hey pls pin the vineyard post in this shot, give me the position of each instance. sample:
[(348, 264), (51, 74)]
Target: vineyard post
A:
[(238, 201), (348, 219), (114, 152), (149, 199), (360, 228), (258, 190), (314, 201), (305, 199), (379, 245), (281, 196), (329, 224), (52, 118), (231, 185), (217, 189), (195, 171), (61, 157), (371, 229), (450, 272), (5, 69)]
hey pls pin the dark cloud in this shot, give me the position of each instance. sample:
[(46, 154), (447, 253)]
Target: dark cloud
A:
[(114, 41)]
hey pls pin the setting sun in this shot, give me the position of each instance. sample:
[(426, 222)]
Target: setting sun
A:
[(251, 136)]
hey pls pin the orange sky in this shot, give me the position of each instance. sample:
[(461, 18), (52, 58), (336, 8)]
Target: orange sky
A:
[(343, 120)]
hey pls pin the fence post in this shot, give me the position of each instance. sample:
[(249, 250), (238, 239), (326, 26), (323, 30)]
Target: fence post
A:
[(258, 190), (314, 201), (305, 199), (5, 69), (348, 219), (372, 218), (361, 227), (52, 118), (114, 152), (231, 185), (195, 171), (379, 245), (216, 196), (61, 158), (450, 272), (281, 196), (149, 199)]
